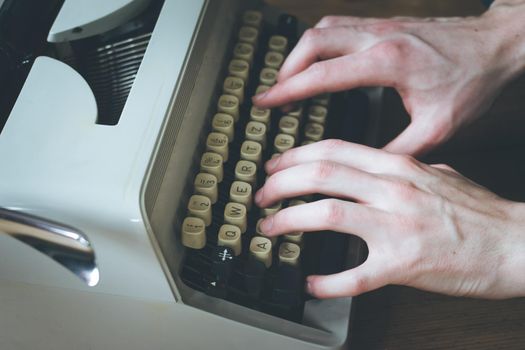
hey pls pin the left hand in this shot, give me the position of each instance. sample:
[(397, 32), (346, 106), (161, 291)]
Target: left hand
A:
[(426, 226)]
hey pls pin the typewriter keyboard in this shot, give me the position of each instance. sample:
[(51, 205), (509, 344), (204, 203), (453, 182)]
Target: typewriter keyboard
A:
[(226, 257)]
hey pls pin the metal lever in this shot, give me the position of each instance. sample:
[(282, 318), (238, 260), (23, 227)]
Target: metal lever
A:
[(66, 245)]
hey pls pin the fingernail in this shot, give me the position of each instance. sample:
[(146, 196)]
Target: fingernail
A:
[(259, 196), (308, 286), (272, 163), (266, 225)]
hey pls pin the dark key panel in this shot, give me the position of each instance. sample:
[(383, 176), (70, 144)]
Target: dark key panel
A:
[(278, 290)]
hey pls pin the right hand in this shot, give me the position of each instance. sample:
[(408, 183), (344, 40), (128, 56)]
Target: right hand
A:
[(447, 70)]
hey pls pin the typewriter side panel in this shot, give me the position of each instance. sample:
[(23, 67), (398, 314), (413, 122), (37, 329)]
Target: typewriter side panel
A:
[(58, 164)]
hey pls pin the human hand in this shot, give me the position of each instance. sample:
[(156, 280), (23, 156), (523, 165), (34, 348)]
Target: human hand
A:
[(425, 226), (447, 70)]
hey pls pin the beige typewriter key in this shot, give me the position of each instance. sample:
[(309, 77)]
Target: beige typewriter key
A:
[(224, 123), (314, 131), (236, 214), (230, 105), (260, 233), (297, 112), (252, 151), (272, 210), (256, 131), (200, 206), (295, 202), (273, 59), (283, 142), (211, 163), (248, 35), (289, 253), (244, 51), (296, 238), (218, 142), (206, 185), (261, 115), (322, 100), (239, 68), (241, 192), (230, 236), (261, 249), (193, 233), (252, 18), (317, 114), (246, 171), (307, 142), (234, 86), (268, 76), (261, 88), (289, 125), (278, 43)]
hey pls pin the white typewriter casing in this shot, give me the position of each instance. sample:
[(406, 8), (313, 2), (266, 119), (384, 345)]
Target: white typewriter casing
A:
[(121, 185)]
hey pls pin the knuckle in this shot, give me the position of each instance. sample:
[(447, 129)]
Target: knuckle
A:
[(385, 27), (324, 169), (332, 145), (395, 50), (312, 35), (403, 190), (334, 214), (406, 163), (327, 21), (318, 70)]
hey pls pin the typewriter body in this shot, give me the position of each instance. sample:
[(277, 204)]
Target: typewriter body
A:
[(101, 139)]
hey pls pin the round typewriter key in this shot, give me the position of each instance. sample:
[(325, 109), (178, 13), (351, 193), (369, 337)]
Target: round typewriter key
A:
[(236, 214), (200, 206), (229, 104), (296, 238), (193, 233), (252, 18), (289, 253), (317, 114), (289, 125), (274, 59), (246, 171), (261, 115), (278, 43), (256, 131), (260, 233), (261, 249), (206, 185), (239, 68), (234, 86), (241, 192), (211, 163), (272, 210), (244, 51), (314, 131), (283, 142), (225, 124), (252, 151), (268, 76), (218, 143), (230, 236), (248, 35)]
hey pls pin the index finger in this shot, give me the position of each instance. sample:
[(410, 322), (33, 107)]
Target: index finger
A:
[(338, 74)]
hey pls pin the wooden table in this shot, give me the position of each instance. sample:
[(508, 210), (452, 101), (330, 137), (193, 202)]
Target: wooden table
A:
[(403, 318)]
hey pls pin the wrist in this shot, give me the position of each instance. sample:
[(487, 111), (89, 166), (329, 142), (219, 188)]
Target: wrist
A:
[(507, 28), (511, 274)]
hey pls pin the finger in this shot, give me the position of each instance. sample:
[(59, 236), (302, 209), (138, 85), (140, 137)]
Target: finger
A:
[(323, 177), (364, 278), (337, 21), (418, 138), (346, 153), (327, 214), (321, 44), (361, 69)]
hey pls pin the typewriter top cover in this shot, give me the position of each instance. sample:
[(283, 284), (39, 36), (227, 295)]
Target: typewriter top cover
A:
[(102, 110)]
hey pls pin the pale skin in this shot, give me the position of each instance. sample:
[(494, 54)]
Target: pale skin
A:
[(426, 226)]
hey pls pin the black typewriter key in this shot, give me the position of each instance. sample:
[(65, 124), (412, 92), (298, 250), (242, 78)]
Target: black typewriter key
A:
[(223, 259), (254, 273), (287, 27), (288, 286)]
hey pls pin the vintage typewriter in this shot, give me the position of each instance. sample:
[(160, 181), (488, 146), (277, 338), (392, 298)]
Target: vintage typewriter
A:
[(130, 153)]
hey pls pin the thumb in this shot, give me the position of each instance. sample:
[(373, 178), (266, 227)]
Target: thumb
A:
[(419, 137), (361, 279)]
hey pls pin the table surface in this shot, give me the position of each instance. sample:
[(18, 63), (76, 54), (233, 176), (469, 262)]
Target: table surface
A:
[(404, 318)]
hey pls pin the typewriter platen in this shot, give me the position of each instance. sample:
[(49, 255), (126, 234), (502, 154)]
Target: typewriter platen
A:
[(105, 130)]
